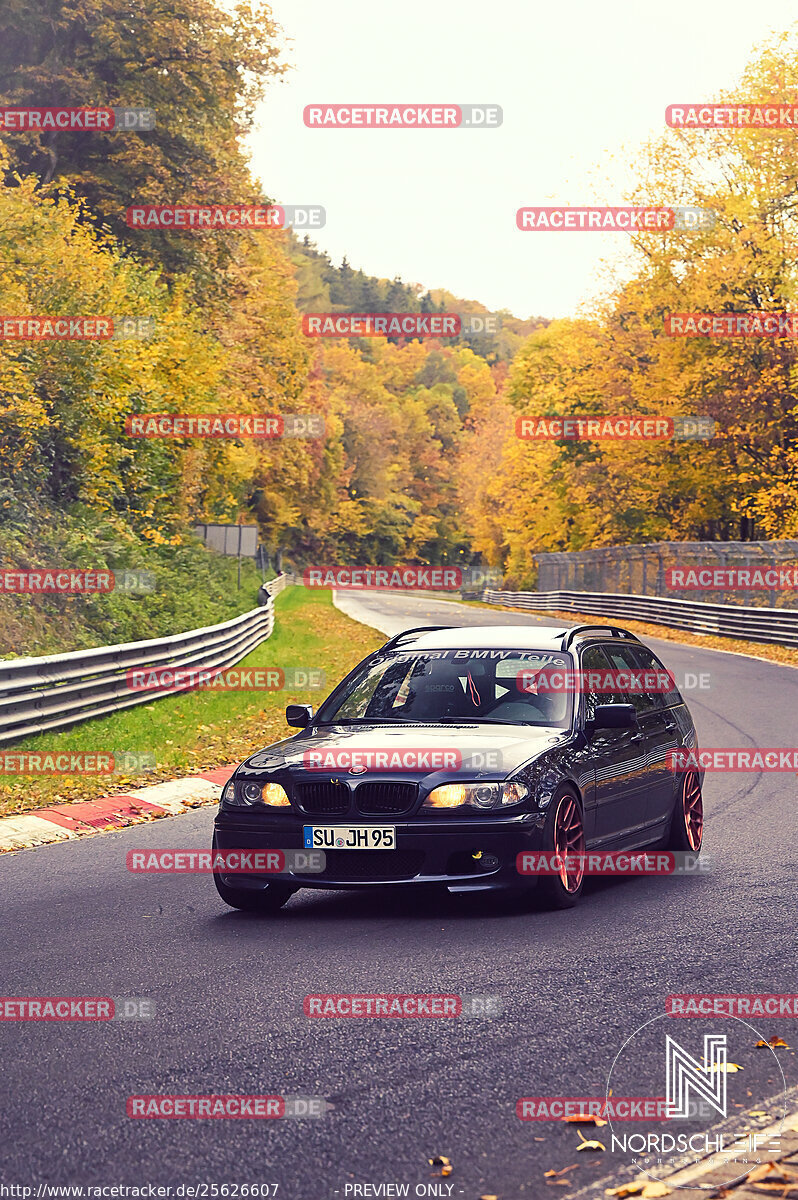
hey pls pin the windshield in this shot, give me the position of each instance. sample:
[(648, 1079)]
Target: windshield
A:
[(450, 685)]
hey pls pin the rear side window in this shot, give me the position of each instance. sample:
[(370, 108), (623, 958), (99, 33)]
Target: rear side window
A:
[(626, 664), (664, 681)]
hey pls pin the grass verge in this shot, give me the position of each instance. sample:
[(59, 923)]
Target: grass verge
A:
[(200, 730)]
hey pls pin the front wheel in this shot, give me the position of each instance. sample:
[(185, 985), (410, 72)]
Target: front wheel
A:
[(249, 900), (687, 823), (564, 835)]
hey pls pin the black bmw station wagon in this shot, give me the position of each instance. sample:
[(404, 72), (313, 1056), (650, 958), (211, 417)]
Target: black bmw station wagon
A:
[(449, 751)]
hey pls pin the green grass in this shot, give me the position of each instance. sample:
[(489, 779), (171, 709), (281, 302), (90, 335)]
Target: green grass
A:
[(200, 730)]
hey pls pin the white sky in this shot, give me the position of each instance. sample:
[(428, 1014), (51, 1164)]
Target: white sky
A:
[(582, 83)]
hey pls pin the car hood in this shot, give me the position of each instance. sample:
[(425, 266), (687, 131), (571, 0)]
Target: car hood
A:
[(410, 749)]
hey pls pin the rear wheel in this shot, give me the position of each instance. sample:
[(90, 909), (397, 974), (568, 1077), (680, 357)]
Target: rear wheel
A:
[(564, 835), (687, 823), (274, 896)]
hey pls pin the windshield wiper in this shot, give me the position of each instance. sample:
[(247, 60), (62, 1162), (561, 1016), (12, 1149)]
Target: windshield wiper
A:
[(368, 720), (482, 721)]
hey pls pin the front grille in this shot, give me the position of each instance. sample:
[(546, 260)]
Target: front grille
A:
[(322, 797), (386, 797), (351, 865)]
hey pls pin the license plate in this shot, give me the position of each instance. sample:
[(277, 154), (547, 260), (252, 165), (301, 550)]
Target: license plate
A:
[(350, 837)]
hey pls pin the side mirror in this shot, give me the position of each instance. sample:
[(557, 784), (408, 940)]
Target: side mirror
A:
[(300, 715), (613, 716)]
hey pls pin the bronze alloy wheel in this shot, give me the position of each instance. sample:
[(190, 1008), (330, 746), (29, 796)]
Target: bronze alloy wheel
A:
[(693, 810), (569, 839)]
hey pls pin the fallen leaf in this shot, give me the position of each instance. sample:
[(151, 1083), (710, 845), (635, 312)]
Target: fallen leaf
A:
[(562, 1172), (773, 1042), (758, 1112), (726, 1067), (640, 1187), (588, 1145), (585, 1119), (626, 1189), (770, 1177)]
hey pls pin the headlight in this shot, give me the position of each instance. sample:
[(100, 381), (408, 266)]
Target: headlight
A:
[(273, 794), (477, 795)]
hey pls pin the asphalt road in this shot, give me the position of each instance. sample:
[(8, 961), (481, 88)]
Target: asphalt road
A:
[(228, 989)]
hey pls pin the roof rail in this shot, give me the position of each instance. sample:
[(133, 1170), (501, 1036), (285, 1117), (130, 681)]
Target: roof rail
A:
[(397, 637), (613, 630)]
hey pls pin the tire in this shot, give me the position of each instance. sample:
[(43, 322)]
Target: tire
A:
[(564, 890), (249, 900), (687, 823)]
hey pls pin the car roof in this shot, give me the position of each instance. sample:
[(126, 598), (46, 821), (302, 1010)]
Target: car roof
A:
[(501, 637), (489, 637)]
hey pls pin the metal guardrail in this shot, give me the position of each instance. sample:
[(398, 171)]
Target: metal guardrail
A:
[(273, 587), (778, 626), (39, 694)]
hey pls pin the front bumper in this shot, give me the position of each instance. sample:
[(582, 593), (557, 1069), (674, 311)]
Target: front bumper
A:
[(429, 850)]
